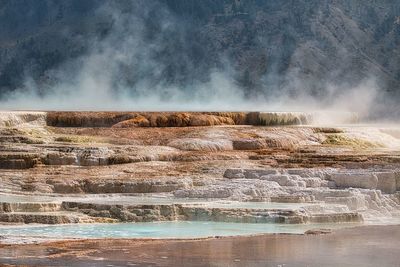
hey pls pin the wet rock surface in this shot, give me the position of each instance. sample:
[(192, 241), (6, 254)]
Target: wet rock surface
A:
[(145, 213), (221, 170)]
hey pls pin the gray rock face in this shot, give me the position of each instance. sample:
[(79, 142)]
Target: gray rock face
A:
[(293, 198), (67, 186), (249, 144), (282, 180), (234, 174), (37, 187), (247, 173), (314, 182), (273, 175), (357, 180), (386, 182), (145, 186), (196, 144), (77, 156), (309, 172), (61, 159), (207, 192), (397, 174), (19, 160)]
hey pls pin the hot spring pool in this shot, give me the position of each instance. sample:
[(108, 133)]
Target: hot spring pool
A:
[(158, 229)]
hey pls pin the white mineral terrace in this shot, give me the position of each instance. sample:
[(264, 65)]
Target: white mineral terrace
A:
[(92, 175)]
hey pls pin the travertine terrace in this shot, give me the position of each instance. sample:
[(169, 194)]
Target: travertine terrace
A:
[(106, 167)]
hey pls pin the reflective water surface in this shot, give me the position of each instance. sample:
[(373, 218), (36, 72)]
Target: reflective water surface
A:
[(369, 246), (176, 229)]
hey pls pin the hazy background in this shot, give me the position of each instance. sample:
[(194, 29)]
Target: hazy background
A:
[(201, 55)]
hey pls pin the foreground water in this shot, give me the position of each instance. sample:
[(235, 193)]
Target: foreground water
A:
[(159, 230), (369, 246)]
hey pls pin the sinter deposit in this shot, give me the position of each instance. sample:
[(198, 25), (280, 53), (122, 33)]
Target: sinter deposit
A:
[(139, 167)]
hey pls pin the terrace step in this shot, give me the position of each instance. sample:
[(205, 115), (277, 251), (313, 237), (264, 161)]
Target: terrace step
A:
[(59, 217), (29, 207), (187, 212)]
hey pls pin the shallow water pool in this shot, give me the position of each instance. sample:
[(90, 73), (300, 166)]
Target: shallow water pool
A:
[(176, 229)]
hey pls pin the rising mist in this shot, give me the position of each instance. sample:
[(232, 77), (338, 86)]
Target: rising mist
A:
[(172, 55)]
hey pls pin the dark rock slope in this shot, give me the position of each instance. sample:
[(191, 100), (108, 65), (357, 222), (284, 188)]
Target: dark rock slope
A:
[(267, 46)]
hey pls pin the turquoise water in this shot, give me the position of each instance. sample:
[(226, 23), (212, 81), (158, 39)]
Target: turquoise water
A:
[(158, 229)]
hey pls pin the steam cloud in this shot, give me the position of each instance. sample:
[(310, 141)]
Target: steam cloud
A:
[(124, 71)]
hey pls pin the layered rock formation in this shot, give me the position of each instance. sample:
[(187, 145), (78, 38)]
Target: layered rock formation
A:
[(145, 213), (185, 119), (145, 119), (228, 173)]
